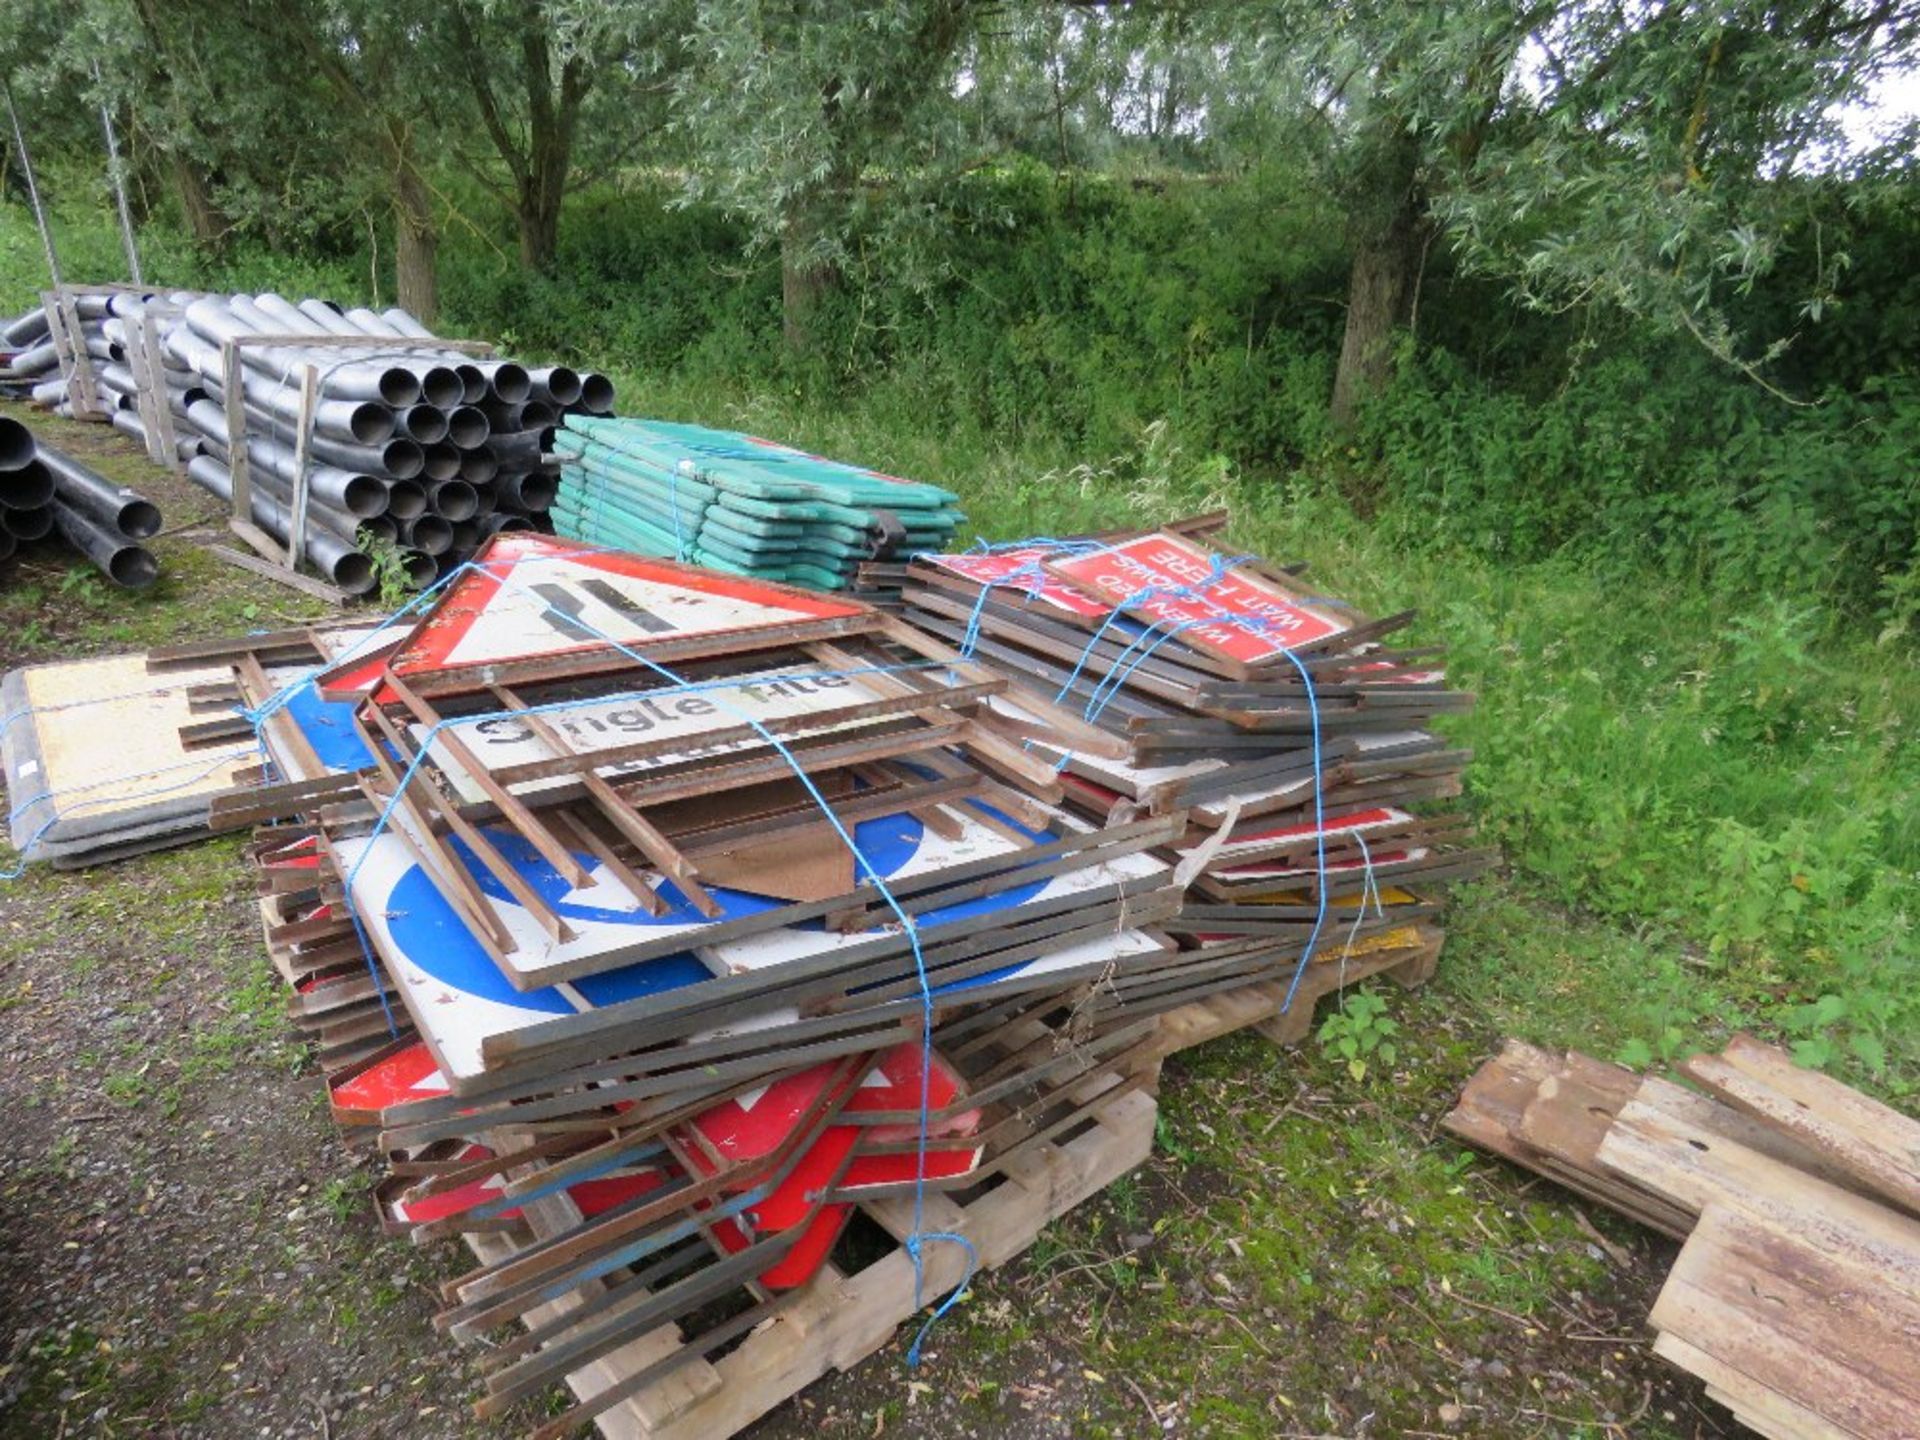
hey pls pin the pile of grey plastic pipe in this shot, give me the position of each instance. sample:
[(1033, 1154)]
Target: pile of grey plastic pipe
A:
[(416, 452), (44, 490)]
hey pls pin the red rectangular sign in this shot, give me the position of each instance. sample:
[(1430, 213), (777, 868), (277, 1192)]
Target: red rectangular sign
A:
[(1021, 570), (1174, 583)]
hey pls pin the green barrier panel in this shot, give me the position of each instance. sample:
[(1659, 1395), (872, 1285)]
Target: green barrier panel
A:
[(758, 468), (739, 503)]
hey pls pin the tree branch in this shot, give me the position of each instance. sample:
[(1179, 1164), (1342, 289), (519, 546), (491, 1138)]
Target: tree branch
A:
[(482, 87)]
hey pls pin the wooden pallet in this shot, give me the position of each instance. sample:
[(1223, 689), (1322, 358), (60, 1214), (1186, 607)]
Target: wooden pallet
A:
[(1259, 1006), (841, 1317), (1796, 1294)]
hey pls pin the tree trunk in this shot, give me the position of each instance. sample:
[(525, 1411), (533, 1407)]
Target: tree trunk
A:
[(205, 223), (416, 246), (541, 194), (806, 279), (539, 219), (552, 115), (1386, 255)]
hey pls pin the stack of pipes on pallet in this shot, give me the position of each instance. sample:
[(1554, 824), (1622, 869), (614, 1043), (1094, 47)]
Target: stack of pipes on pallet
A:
[(701, 911), (44, 492), (739, 503), (430, 451), (1275, 719)]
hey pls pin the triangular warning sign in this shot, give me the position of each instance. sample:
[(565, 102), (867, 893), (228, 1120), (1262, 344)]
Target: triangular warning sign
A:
[(527, 598)]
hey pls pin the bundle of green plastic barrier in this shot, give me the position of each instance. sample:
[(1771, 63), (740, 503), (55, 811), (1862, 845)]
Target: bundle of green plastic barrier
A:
[(738, 503)]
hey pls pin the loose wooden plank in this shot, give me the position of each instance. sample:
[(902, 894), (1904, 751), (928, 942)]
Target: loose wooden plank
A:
[(1868, 1141), (1571, 1107), (293, 579), (1709, 1114), (1825, 1330), (1693, 1168), (1762, 1410)]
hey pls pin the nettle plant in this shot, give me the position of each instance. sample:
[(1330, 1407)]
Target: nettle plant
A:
[(1360, 1032)]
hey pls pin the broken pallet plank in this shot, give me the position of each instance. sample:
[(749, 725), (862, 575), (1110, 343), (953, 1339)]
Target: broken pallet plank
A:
[(1829, 1330), (1873, 1144)]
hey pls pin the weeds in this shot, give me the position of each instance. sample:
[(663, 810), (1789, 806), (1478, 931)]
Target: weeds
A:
[(391, 581), (1359, 1032)]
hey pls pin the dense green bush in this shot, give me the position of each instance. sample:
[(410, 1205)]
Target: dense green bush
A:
[(1069, 313), (1659, 456)]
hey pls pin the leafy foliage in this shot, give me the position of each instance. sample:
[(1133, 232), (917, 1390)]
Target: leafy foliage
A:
[(1359, 1033)]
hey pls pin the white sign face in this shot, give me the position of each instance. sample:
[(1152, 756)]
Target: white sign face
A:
[(1250, 840), (1368, 740), (1136, 781), (1258, 871), (504, 740), (1133, 781), (458, 995)]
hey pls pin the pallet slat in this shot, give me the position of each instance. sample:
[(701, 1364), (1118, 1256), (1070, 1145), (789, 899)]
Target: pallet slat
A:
[(837, 1320)]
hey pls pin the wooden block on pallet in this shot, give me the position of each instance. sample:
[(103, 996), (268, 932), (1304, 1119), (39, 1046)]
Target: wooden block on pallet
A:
[(1219, 1015), (1257, 1006), (1295, 1023), (838, 1320), (1417, 969)]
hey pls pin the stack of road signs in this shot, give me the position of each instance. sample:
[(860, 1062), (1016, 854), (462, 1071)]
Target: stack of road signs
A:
[(1277, 720), (705, 908), (649, 918), (105, 758), (95, 764), (738, 503)]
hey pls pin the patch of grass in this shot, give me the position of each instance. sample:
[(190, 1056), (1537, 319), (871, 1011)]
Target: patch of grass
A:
[(1346, 1264), (60, 606), (345, 1196), (128, 1087), (65, 1368)]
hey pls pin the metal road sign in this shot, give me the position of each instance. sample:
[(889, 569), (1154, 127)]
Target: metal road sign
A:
[(1032, 578), (755, 1123), (459, 995), (531, 597), (678, 719), (1170, 563)]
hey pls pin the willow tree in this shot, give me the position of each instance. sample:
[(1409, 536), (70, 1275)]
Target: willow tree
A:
[(795, 111), (214, 109), (553, 84), (1658, 163), (1586, 151)]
